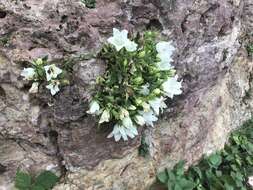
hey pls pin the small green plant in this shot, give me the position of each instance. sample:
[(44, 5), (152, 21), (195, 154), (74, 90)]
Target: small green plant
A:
[(144, 147), (91, 4), (137, 81), (229, 169), (46, 180), (250, 49), (41, 72)]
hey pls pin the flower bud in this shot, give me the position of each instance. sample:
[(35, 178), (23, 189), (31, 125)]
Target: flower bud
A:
[(138, 101), (146, 107), (132, 107), (142, 54), (157, 91), (138, 80)]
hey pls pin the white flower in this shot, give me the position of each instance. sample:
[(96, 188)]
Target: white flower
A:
[(120, 40), (123, 113), (145, 89), (164, 64), (149, 117), (165, 48), (35, 87), (127, 122), (165, 51), (131, 46), (94, 108), (104, 117), (157, 104), (139, 120), (121, 131), (172, 87), (28, 73), (53, 87), (52, 71), (250, 181)]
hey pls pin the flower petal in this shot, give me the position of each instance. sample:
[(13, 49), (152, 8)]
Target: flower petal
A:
[(35, 87), (172, 87)]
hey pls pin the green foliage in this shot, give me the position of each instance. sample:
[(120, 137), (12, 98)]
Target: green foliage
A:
[(4, 40), (126, 72), (144, 147), (137, 81), (228, 169), (250, 49), (91, 4), (46, 180)]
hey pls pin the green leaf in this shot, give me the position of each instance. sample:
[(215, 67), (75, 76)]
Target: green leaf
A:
[(37, 187), (163, 177), (186, 184), (23, 180), (46, 180), (180, 168), (215, 160)]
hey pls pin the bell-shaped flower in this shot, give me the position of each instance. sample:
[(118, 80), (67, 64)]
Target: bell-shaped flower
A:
[(105, 117), (131, 46), (164, 64), (123, 113), (157, 104), (165, 48), (145, 89), (149, 117), (94, 108), (172, 87), (28, 73), (35, 87), (52, 71), (119, 39), (139, 120), (121, 131), (53, 87), (127, 122), (165, 51)]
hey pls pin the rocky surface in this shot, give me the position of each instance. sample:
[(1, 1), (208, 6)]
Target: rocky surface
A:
[(42, 132)]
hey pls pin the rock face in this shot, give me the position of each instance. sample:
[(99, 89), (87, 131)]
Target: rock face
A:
[(40, 132)]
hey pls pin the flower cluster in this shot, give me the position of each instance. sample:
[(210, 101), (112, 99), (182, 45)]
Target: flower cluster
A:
[(40, 72), (138, 79)]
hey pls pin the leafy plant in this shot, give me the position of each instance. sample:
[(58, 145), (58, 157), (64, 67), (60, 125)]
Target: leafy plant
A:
[(144, 147), (89, 3), (250, 49), (138, 79), (229, 169), (46, 180), (41, 72)]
